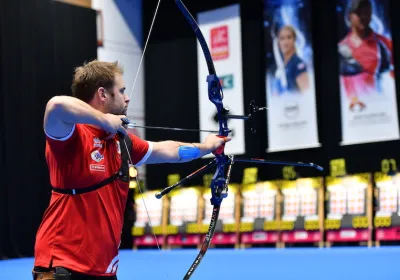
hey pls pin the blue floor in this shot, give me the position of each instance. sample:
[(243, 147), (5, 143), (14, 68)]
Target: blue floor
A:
[(311, 263)]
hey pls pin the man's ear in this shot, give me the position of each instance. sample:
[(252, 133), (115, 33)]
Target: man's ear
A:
[(101, 93)]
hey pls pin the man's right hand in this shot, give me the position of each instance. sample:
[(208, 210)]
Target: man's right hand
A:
[(113, 124)]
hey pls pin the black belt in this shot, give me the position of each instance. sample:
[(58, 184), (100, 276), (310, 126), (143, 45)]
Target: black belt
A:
[(61, 273)]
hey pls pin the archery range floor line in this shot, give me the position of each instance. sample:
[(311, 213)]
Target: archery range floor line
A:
[(338, 263)]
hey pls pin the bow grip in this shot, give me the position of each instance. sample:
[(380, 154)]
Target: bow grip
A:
[(221, 149)]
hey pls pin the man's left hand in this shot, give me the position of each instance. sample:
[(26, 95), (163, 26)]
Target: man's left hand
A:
[(213, 142)]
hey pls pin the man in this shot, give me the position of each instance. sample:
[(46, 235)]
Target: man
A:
[(364, 55), (80, 232)]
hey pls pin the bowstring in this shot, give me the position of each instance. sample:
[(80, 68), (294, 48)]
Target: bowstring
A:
[(126, 146), (145, 206), (144, 49)]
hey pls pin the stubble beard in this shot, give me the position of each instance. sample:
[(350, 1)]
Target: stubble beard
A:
[(112, 109)]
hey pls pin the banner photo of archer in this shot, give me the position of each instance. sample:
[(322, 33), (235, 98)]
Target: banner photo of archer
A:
[(366, 72), (292, 121)]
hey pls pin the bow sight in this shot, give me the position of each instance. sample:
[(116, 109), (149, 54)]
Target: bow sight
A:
[(252, 116)]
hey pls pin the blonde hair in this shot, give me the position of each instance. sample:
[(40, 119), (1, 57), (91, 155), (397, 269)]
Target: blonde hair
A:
[(92, 75), (290, 29)]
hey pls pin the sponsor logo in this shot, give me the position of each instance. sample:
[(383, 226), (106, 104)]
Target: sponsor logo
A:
[(219, 42), (98, 167), (226, 81), (113, 267), (291, 110), (97, 156), (97, 143)]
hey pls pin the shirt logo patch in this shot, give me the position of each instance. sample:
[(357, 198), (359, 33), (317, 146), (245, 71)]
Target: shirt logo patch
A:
[(97, 143), (97, 156), (98, 167)]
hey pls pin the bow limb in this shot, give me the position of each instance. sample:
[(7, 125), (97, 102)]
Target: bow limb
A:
[(216, 202), (219, 184), (206, 242), (215, 93)]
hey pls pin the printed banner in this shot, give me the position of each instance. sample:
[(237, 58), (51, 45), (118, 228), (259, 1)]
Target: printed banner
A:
[(183, 206), (366, 72), (221, 29), (290, 87)]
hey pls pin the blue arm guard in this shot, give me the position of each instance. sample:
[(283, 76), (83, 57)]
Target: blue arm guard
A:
[(188, 153)]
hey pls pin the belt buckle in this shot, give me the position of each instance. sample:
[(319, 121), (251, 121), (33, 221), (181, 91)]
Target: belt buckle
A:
[(41, 275)]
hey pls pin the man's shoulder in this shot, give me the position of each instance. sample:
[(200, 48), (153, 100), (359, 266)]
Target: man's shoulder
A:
[(77, 133), (134, 137)]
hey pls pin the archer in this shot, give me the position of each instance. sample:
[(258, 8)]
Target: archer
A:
[(88, 152)]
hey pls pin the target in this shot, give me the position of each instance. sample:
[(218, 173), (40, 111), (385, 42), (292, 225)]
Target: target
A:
[(291, 202), (184, 206), (154, 207), (308, 202), (300, 198), (347, 196), (259, 202), (356, 200), (388, 198), (338, 200)]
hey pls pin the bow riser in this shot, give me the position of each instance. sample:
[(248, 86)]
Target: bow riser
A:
[(219, 190), (215, 95)]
